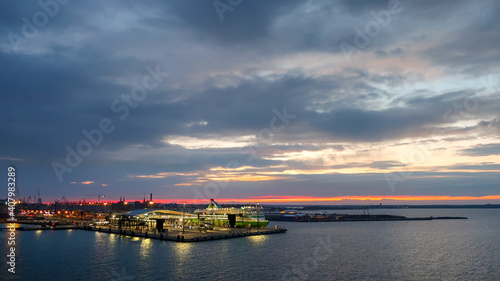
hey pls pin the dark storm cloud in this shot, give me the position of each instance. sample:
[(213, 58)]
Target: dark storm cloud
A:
[(12, 13), (51, 98), (375, 164), (314, 25), (244, 23), (310, 26), (386, 164), (359, 7), (483, 150), (481, 167), (63, 99), (476, 48), (356, 124), (413, 119), (240, 109)]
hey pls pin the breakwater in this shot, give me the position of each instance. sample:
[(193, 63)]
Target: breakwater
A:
[(191, 236), (168, 235), (303, 217)]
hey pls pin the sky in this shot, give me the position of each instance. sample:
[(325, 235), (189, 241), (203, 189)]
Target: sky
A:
[(314, 102)]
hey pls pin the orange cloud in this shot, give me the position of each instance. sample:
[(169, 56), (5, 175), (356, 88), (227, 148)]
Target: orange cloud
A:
[(245, 177), (87, 182)]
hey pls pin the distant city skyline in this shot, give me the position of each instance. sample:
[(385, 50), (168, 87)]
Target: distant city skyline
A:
[(298, 200), (303, 102)]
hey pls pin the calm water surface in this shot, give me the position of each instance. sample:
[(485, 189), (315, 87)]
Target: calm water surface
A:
[(404, 250)]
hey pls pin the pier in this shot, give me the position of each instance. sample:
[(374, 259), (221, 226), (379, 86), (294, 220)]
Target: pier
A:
[(303, 217), (176, 235), (61, 227), (191, 236)]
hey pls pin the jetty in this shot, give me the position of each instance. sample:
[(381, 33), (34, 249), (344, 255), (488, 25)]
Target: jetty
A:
[(293, 216), (192, 236), (176, 235)]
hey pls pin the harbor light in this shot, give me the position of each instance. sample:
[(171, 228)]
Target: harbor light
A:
[(183, 211)]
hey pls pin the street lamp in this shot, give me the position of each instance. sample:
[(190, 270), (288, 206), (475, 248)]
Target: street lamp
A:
[(257, 217), (183, 211)]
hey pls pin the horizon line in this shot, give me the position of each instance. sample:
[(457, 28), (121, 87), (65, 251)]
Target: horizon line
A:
[(295, 199)]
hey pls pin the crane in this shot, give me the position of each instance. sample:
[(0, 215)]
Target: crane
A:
[(39, 198), (99, 196), (62, 201)]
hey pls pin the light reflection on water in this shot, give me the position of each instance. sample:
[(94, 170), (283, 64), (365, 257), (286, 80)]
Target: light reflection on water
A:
[(146, 246), (182, 255), (182, 251), (258, 239), (112, 238)]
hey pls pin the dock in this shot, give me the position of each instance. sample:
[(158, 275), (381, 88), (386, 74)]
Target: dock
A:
[(177, 235), (60, 227), (303, 217), (191, 236)]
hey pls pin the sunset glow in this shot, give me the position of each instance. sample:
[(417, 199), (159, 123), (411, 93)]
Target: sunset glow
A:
[(431, 199)]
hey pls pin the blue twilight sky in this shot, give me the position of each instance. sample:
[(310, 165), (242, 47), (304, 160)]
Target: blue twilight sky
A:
[(246, 99)]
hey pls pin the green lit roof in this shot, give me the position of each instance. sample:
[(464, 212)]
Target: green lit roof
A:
[(214, 205)]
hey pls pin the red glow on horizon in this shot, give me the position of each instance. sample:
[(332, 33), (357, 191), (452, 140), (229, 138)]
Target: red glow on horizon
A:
[(293, 199), (310, 199)]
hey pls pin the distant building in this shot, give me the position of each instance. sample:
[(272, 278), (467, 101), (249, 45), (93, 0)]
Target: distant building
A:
[(4, 212)]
